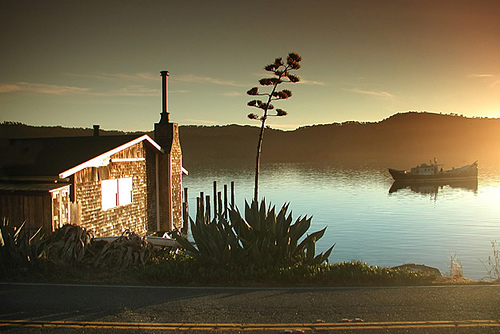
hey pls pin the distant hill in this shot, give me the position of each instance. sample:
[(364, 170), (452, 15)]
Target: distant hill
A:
[(20, 130), (404, 138)]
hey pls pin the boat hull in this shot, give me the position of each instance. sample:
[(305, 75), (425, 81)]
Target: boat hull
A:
[(468, 172)]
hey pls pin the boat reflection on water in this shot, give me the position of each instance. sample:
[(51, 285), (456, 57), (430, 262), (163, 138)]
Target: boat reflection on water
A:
[(432, 188)]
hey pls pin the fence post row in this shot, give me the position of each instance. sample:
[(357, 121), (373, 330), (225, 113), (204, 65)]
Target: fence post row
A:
[(185, 213), (220, 207)]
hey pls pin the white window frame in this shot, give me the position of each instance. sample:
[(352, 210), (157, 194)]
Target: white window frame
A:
[(116, 192)]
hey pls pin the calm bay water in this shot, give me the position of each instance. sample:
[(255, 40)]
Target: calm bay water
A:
[(366, 221)]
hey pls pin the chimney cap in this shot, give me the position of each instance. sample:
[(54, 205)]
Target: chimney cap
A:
[(164, 72)]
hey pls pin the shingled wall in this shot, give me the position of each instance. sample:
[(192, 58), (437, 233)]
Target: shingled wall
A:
[(114, 221)]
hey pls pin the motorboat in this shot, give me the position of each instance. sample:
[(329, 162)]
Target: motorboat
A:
[(435, 172)]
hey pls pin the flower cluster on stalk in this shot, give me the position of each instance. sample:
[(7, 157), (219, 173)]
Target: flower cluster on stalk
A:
[(282, 74)]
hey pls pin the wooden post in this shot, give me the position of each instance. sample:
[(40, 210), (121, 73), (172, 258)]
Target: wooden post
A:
[(185, 213), (207, 200), (219, 203), (215, 198), (225, 201), (198, 204), (200, 212), (232, 194)]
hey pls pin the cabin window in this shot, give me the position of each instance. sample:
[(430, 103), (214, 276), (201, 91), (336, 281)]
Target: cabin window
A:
[(116, 192), (125, 191)]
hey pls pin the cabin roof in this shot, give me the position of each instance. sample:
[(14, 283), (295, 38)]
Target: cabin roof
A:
[(31, 187), (60, 157)]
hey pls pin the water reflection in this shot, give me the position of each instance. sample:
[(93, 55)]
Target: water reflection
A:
[(432, 188)]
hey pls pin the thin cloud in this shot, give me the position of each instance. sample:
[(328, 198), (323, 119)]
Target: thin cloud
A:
[(482, 75), (42, 88), (311, 82), (232, 94), (144, 76), (302, 80), (380, 94), (490, 79), (134, 90), (9, 88), (201, 79), (48, 89)]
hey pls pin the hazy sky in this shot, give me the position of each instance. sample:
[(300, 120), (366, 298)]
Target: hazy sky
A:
[(79, 63)]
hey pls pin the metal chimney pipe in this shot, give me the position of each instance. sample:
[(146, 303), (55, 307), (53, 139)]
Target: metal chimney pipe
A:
[(164, 75)]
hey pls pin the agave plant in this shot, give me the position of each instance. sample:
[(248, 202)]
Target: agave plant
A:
[(273, 239), (216, 241), (68, 244), (18, 246), (261, 238), (129, 250)]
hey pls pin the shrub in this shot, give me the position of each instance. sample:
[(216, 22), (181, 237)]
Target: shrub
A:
[(492, 266)]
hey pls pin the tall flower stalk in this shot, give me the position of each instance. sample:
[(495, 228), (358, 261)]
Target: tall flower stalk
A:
[(281, 73)]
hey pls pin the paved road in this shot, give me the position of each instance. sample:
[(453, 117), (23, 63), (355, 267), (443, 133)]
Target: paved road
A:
[(39, 308)]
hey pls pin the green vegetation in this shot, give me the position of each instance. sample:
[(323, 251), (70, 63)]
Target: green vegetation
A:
[(67, 252), (270, 250), (187, 270)]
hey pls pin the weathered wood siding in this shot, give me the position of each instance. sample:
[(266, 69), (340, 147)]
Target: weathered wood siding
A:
[(60, 208), (151, 157), (32, 208), (114, 221)]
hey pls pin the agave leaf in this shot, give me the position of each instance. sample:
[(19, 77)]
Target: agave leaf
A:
[(299, 228), (252, 216), (184, 243), (129, 255), (310, 250), (323, 257), (313, 236), (119, 255), (36, 235), (282, 224), (262, 214), (2, 241), (142, 256), (18, 231), (271, 223), (79, 234), (256, 255)]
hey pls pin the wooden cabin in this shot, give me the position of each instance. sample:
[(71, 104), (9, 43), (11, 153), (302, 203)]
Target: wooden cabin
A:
[(107, 184)]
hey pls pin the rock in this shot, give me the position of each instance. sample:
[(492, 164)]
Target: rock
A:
[(420, 268)]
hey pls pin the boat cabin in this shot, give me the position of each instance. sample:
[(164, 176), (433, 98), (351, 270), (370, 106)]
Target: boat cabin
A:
[(425, 169)]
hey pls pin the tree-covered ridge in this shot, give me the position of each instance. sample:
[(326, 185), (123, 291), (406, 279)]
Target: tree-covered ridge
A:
[(411, 137)]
